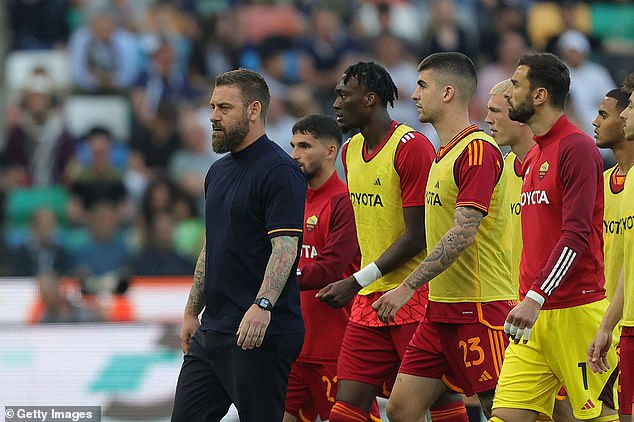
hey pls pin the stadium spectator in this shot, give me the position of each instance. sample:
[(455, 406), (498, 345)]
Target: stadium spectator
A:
[(100, 263), (103, 57), (510, 47), (589, 81), (495, 19), (188, 165), (328, 49), (42, 253), (97, 182), (392, 53), (38, 145), (158, 257), (445, 32), (160, 81), (38, 24), (216, 50), (153, 143)]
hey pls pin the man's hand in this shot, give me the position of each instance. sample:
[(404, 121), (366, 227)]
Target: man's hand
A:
[(597, 352), (339, 293), (389, 303), (253, 327), (189, 328), (521, 319)]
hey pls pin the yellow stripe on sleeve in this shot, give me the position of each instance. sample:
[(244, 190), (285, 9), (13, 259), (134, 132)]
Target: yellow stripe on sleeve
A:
[(285, 230)]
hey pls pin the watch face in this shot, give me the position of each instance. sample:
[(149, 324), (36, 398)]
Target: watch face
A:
[(264, 303)]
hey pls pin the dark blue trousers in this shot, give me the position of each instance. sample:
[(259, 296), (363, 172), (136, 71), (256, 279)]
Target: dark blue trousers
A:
[(216, 372)]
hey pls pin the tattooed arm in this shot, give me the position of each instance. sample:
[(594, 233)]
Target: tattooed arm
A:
[(195, 303), (256, 320), (447, 250), (196, 300), (466, 221), (279, 266)]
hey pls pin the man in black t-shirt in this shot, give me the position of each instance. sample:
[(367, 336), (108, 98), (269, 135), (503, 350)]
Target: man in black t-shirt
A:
[(245, 277)]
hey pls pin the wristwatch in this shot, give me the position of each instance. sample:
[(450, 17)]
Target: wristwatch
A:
[(264, 303)]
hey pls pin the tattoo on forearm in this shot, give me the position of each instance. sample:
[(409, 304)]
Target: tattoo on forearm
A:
[(448, 249), (279, 266), (196, 301)]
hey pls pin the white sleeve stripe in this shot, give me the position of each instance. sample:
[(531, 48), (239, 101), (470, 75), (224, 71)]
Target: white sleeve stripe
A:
[(554, 269), (559, 271)]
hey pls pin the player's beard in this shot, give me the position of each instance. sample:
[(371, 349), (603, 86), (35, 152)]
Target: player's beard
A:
[(230, 138), (310, 174), (523, 112)]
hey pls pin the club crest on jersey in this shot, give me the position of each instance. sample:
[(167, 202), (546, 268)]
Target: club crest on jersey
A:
[(311, 222), (543, 169)]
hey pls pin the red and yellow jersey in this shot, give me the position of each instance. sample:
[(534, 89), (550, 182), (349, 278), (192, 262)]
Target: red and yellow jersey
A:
[(467, 172), (513, 172), (329, 253), (627, 220), (380, 185), (562, 218), (613, 184)]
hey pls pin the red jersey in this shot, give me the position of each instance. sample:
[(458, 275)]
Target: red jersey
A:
[(329, 252), (562, 218)]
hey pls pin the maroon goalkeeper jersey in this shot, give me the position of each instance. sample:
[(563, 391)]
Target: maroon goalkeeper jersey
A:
[(562, 217), (329, 252)]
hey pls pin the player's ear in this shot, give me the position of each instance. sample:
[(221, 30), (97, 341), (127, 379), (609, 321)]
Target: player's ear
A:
[(448, 92), (254, 110), (540, 96), (331, 151), (371, 99)]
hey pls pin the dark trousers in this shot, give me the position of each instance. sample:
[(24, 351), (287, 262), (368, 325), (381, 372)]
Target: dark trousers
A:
[(216, 372)]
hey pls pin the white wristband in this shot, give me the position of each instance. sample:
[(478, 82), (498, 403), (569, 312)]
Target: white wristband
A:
[(368, 274), (536, 297)]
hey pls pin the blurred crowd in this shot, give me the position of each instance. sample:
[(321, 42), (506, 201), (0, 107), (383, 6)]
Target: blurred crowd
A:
[(107, 138)]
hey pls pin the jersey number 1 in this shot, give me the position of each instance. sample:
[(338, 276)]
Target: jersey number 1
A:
[(584, 374)]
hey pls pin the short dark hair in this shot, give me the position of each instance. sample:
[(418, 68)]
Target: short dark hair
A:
[(320, 126), (252, 86), (99, 131), (450, 65), (628, 84), (375, 78), (621, 96), (547, 71)]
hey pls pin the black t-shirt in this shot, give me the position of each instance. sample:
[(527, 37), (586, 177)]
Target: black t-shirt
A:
[(250, 197)]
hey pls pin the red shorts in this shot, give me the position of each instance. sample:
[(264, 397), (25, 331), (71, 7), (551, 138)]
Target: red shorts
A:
[(626, 371), (312, 389), (373, 354), (412, 312), (467, 356)]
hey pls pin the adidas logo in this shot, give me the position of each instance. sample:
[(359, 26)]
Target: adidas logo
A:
[(377, 182), (485, 377), (589, 405)]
